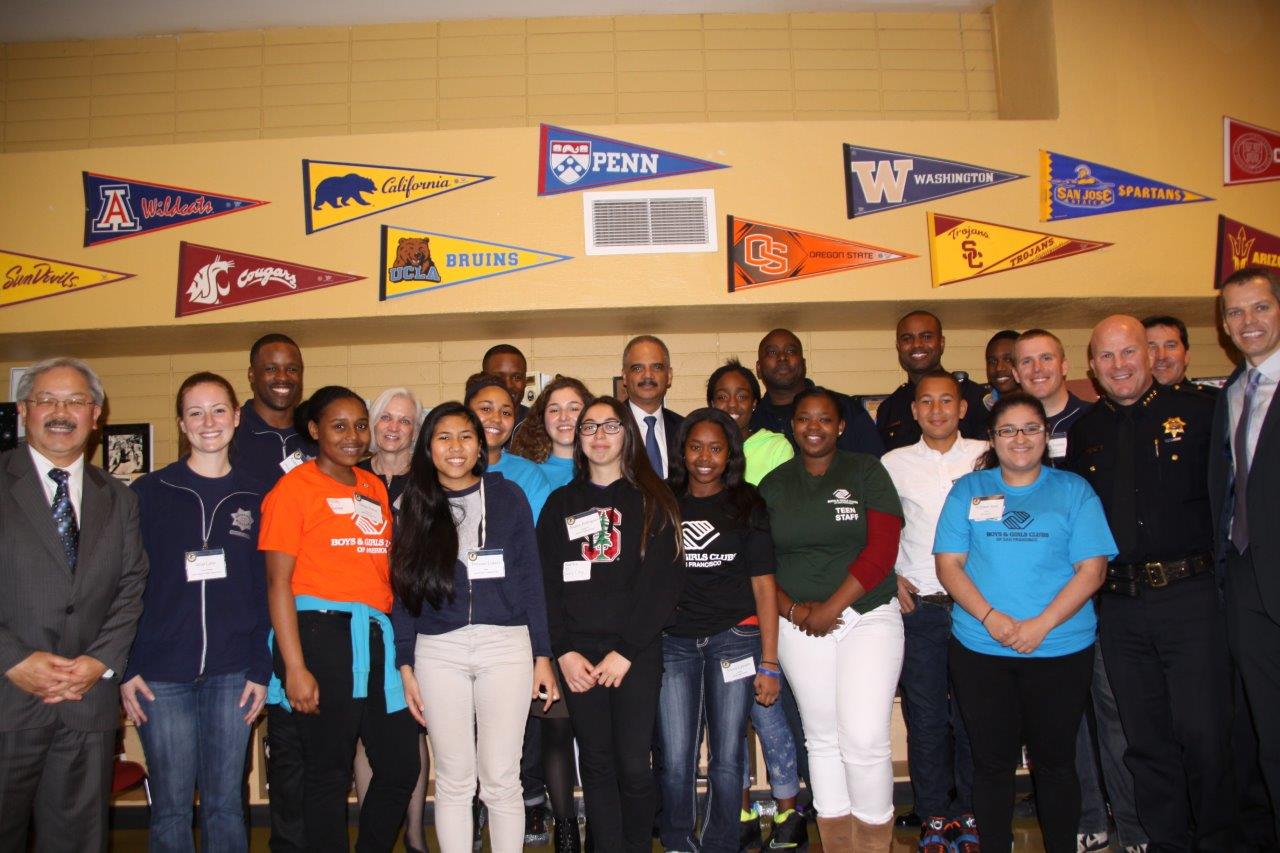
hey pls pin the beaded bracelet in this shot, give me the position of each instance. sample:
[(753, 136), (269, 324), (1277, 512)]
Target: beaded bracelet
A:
[(791, 611)]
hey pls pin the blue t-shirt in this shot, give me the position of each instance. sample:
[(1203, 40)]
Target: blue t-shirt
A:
[(528, 476), (557, 471), (1023, 560)]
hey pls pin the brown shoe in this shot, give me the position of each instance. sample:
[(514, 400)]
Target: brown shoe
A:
[(836, 834), (871, 837)]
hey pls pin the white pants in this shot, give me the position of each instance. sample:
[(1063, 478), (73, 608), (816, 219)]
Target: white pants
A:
[(475, 684), (845, 692)]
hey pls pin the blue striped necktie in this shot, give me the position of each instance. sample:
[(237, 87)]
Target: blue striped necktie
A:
[(64, 517)]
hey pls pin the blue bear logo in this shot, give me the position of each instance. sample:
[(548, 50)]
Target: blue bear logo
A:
[(338, 191)]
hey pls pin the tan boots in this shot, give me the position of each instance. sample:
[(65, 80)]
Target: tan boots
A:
[(847, 834)]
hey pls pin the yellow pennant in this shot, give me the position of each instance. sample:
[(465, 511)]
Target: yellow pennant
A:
[(27, 277), (414, 261), (337, 193), (961, 249)]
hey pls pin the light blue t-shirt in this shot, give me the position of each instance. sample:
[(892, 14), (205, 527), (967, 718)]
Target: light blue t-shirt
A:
[(528, 476), (558, 471), (1021, 561)]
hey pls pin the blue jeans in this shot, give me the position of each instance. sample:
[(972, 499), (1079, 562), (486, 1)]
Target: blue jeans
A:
[(779, 745), (691, 682), (195, 737), (938, 753)]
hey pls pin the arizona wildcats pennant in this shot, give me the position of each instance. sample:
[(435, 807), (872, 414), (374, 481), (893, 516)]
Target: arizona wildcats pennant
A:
[(337, 193), (1071, 187), (116, 208), (876, 180), (414, 261), (209, 278), (570, 160), (27, 277)]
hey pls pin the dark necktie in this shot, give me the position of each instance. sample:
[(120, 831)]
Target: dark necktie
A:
[(64, 517), (1239, 516), (651, 444), (1124, 503)]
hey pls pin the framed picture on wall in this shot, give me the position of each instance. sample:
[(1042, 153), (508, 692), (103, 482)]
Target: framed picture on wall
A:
[(126, 450), (15, 376)]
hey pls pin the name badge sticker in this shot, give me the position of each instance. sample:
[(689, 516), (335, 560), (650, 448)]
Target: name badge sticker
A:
[(486, 564), (583, 524), (341, 506), (1058, 447), (293, 460), (986, 508), (577, 570), (210, 565), (368, 509), (737, 670)]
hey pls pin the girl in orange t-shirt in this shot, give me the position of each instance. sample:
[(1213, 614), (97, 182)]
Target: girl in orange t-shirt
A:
[(326, 531)]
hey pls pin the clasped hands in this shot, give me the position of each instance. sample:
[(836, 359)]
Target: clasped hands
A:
[(817, 618), (1022, 635), (54, 678), (581, 675)]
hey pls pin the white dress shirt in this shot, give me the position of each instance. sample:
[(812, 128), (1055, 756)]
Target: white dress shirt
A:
[(1270, 370), (75, 482), (923, 478), (659, 432)]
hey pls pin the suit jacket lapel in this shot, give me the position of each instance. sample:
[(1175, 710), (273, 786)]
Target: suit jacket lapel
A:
[(29, 494), (1270, 423), (95, 504)]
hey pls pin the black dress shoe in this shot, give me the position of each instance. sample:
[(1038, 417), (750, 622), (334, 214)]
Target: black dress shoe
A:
[(907, 820)]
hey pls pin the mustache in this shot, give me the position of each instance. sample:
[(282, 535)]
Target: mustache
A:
[(60, 422)]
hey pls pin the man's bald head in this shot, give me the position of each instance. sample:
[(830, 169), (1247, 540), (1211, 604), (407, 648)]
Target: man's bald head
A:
[(1120, 358)]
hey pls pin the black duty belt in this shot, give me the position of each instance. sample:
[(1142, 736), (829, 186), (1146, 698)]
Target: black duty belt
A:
[(1129, 578), (940, 598)]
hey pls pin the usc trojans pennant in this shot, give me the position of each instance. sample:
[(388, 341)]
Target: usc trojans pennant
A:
[(961, 249), (761, 254)]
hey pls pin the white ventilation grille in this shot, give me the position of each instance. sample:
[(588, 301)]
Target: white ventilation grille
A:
[(653, 222)]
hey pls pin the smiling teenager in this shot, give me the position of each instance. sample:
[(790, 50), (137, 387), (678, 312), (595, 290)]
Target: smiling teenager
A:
[(470, 623), (548, 433), (326, 531), (610, 546)]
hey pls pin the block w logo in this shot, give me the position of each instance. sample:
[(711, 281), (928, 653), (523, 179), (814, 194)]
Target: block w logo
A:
[(698, 534), (882, 181)]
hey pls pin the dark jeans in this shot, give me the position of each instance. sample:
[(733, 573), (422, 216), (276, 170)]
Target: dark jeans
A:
[(195, 736), (1166, 658), (1009, 701), (329, 741), (284, 780), (692, 685), (1255, 645), (938, 754), (1107, 751), (614, 727)]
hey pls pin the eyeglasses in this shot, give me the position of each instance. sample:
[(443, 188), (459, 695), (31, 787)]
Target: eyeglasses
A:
[(1011, 431), (610, 427), (72, 404)]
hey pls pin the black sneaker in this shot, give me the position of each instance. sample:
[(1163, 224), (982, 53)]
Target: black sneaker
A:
[(790, 832), (567, 840), (962, 835), (536, 830), (907, 820), (749, 837)]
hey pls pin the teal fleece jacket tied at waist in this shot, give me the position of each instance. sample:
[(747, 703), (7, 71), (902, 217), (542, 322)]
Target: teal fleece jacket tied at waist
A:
[(392, 685)]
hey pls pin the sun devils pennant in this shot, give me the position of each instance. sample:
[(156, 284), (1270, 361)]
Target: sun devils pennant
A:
[(27, 277), (1241, 246)]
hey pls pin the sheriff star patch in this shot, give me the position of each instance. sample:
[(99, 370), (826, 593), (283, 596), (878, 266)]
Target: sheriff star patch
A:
[(1174, 428)]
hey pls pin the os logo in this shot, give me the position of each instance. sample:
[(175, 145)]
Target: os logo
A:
[(765, 253)]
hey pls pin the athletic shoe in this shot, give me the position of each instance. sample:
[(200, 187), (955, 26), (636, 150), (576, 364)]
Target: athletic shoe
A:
[(749, 837), (907, 820), (790, 832), (933, 836), (962, 835), (536, 830), (479, 817), (1092, 841)]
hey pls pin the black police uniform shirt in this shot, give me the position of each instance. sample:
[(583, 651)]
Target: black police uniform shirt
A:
[(859, 434), (898, 429), (1169, 450)]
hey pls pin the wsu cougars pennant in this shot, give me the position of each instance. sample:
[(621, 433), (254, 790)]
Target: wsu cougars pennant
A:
[(761, 254), (1241, 246), (337, 193), (27, 277), (876, 180), (570, 160), (209, 278), (116, 208), (961, 249), (1250, 154), (1071, 187)]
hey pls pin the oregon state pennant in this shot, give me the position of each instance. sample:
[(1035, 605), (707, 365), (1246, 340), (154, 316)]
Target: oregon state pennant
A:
[(337, 193), (761, 254), (27, 277), (414, 261), (1071, 187), (961, 249)]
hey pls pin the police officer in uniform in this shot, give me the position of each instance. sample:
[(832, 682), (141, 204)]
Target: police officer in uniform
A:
[(1171, 349), (920, 345), (1145, 450)]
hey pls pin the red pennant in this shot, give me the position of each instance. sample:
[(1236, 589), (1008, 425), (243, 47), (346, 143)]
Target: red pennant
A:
[(210, 279)]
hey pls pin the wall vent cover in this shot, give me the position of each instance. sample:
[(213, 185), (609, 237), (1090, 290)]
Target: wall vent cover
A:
[(653, 222)]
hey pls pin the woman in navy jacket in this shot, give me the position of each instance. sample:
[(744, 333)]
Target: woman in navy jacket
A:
[(470, 625), (199, 667)]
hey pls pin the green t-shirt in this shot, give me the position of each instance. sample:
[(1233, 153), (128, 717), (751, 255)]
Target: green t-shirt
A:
[(820, 524), (765, 450)]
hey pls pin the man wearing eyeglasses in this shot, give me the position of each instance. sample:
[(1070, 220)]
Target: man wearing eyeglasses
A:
[(1145, 450), (72, 571), (646, 373)]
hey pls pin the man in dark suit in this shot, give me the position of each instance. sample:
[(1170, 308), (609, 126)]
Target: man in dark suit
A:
[(72, 570), (646, 373), (1243, 466)]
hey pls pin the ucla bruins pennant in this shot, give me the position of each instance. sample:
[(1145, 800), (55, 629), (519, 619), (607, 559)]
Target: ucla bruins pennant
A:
[(1071, 187), (414, 261), (337, 193), (116, 208), (961, 249)]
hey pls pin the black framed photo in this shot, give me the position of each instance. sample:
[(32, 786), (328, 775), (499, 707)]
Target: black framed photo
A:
[(126, 450)]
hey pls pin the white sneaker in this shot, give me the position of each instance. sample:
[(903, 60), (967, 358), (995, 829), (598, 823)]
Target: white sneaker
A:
[(1092, 842)]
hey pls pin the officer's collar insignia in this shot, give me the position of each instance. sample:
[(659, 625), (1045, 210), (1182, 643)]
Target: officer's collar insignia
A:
[(1174, 428)]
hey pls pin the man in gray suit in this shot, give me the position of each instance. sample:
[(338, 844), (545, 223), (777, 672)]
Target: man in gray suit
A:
[(72, 571)]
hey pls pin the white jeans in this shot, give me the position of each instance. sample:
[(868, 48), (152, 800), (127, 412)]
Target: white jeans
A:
[(845, 692), (475, 684)]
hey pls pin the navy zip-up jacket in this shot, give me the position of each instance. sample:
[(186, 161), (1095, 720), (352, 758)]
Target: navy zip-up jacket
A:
[(259, 449), (516, 599), (211, 627)]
